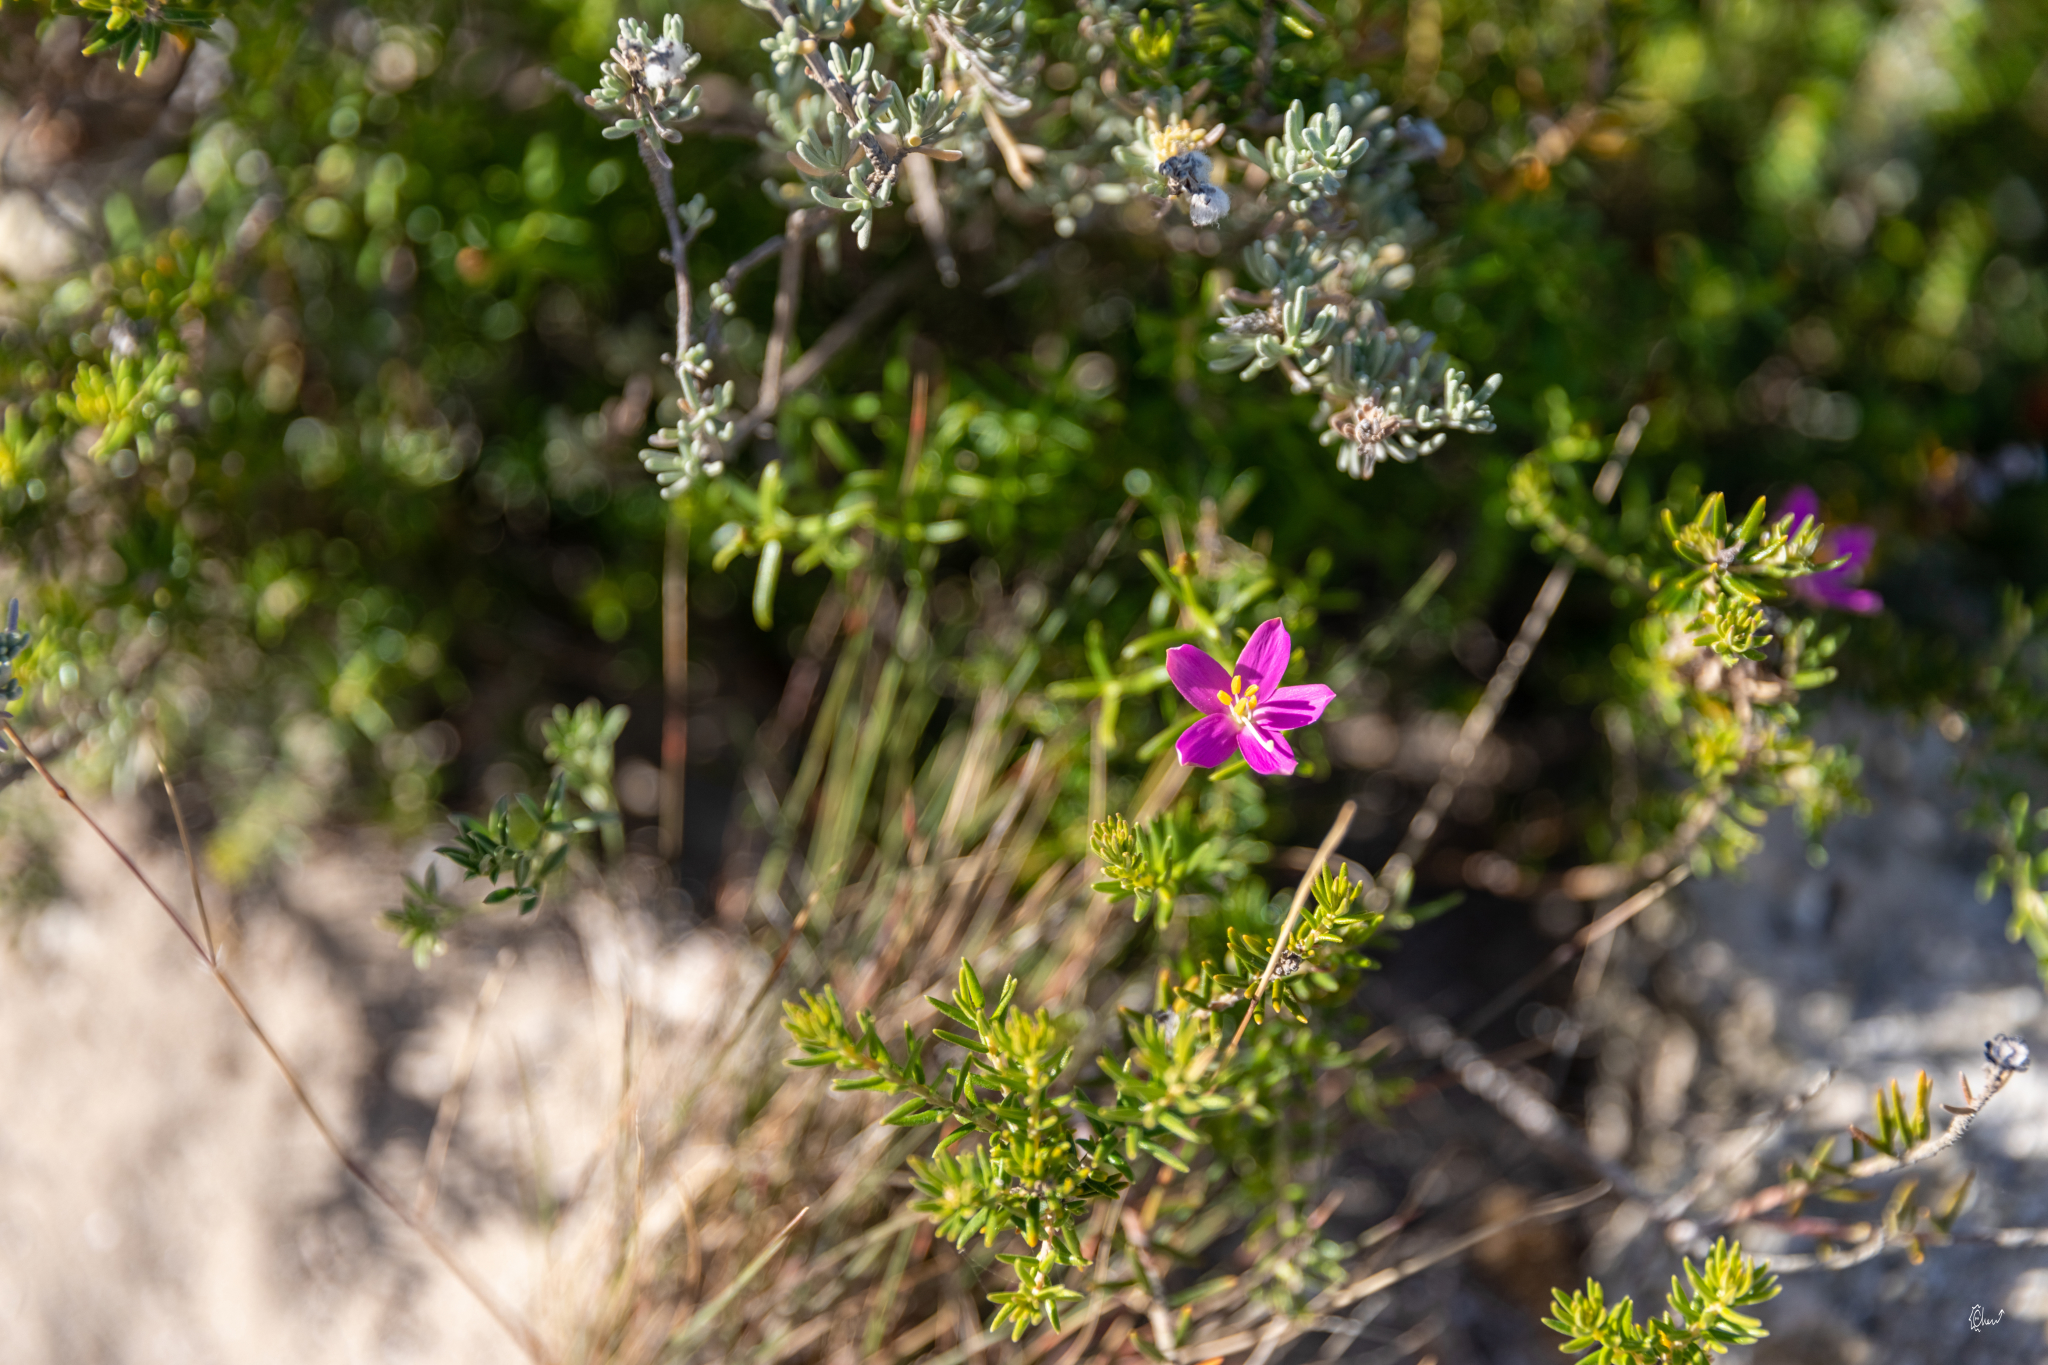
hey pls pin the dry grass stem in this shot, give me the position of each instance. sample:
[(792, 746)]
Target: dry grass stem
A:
[(449, 1111), (1338, 829)]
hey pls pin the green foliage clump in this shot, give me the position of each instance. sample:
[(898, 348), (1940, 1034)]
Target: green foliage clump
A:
[(133, 30), (1702, 1321), (1050, 1146), (522, 843)]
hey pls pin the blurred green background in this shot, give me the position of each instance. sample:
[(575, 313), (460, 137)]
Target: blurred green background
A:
[(397, 515)]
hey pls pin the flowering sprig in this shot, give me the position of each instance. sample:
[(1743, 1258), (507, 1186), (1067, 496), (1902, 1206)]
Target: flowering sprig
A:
[(1713, 676), (849, 146), (1312, 157), (1320, 312), (1729, 573), (646, 80)]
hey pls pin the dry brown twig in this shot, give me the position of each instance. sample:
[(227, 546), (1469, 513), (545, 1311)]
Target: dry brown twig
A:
[(1338, 829), (1507, 674)]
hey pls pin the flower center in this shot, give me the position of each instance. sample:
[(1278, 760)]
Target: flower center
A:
[(1240, 701)]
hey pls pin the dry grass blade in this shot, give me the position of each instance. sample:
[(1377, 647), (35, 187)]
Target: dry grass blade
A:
[(191, 865), (701, 1322), (449, 1111), (1338, 829)]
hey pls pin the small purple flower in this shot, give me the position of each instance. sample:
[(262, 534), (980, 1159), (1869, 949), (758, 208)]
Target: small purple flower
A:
[(1834, 587), (1245, 708)]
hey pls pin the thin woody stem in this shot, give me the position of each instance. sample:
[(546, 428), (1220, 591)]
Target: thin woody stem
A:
[(678, 244), (528, 1340), (675, 574), (836, 338), (1960, 1123), (675, 683), (1562, 955), (788, 291), (883, 152)]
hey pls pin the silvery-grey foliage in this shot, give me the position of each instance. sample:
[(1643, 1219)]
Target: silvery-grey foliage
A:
[(1341, 250), (1335, 250)]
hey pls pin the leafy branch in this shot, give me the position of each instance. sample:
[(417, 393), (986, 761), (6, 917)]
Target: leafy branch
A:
[(1701, 1322), (1049, 1148)]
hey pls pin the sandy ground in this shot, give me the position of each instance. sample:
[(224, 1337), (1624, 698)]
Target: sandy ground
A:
[(163, 1200), (1879, 964)]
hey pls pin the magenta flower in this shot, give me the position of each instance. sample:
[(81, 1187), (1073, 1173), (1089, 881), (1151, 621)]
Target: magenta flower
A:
[(1245, 708), (1834, 587)]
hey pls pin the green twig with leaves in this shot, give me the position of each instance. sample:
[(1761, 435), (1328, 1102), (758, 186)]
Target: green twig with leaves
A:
[(1701, 1322)]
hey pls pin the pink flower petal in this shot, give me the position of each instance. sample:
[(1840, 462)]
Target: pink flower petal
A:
[(1264, 660), (1293, 707), (1862, 601), (1266, 751), (1208, 742), (1854, 541), (1198, 677)]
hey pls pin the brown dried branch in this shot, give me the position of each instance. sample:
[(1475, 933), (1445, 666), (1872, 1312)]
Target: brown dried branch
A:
[(1479, 724)]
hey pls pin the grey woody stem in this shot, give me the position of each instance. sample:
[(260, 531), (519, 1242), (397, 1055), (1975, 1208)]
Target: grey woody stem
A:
[(675, 682)]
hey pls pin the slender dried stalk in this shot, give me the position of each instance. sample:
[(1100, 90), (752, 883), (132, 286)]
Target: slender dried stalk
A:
[(930, 212), (675, 682), (1479, 724), (789, 284), (449, 1112), (1338, 829), (191, 865), (836, 338), (675, 574), (1562, 955)]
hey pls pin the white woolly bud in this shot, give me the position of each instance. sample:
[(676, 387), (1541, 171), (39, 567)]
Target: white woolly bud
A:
[(666, 62), (1207, 204)]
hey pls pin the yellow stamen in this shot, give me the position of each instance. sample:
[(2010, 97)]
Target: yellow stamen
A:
[(1240, 700)]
